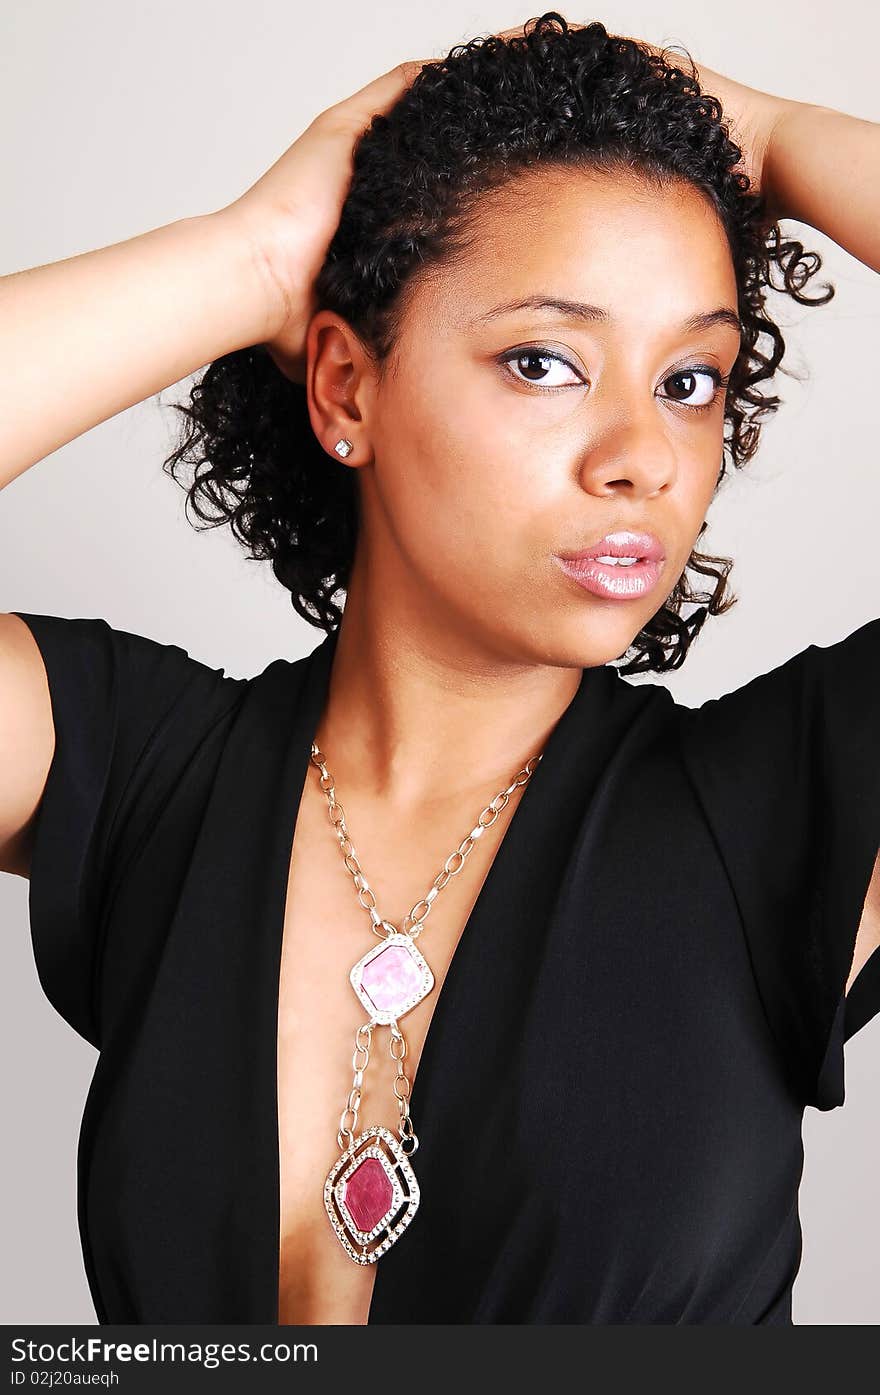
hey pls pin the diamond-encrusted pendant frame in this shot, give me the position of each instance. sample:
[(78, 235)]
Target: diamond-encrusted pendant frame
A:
[(365, 1247), (384, 1017)]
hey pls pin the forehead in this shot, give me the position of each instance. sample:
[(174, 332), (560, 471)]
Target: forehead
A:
[(650, 254)]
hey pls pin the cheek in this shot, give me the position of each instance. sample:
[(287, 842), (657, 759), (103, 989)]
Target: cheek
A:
[(703, 480), (696, 486), (465, 482)]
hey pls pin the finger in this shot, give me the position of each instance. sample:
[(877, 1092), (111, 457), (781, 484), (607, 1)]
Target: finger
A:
[(380, 95)]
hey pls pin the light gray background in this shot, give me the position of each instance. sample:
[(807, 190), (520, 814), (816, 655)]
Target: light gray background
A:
[(117, 118)]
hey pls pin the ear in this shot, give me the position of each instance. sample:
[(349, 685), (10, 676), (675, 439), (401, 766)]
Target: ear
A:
[(340, 386)]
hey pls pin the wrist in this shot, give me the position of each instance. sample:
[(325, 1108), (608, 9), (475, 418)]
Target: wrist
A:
[(783, 122), (260, 251)]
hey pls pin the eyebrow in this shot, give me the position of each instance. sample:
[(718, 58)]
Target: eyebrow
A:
[(580, 310)]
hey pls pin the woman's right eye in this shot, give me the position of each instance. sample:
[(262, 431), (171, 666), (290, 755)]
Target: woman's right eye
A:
[(533, 364)]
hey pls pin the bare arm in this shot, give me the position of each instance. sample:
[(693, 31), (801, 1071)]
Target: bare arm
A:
[(868, 937), (812, 163), (824, 169), (82, 339), (27, 741)]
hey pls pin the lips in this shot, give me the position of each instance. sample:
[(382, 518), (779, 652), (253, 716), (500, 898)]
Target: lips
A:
[(635, 575), (644, 547)]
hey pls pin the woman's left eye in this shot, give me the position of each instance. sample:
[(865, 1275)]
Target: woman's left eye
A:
[(688, 383)]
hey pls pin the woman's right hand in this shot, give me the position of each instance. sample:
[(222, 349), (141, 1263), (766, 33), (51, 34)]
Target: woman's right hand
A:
[(293, 210), (291, 213), (111, 327)]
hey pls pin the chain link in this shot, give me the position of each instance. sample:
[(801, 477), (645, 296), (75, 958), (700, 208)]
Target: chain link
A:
[(346, 1133), (413, 923), (408, 1140), (414, 919)]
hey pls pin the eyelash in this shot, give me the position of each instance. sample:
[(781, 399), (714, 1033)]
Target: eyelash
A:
[(539, 350)]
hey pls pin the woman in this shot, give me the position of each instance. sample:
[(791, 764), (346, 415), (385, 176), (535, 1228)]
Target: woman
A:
[(525, 326)]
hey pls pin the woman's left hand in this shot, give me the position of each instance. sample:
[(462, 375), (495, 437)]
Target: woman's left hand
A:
[(751, 117), (809, 162)]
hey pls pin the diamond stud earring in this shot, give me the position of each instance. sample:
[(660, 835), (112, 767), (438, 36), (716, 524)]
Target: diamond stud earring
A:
[(343, 447)]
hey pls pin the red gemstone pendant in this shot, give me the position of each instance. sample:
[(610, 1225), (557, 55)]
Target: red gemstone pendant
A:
[(371, 1194), (368, 1194)]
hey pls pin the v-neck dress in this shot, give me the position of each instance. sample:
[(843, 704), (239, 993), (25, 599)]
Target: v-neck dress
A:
[(648, 992)]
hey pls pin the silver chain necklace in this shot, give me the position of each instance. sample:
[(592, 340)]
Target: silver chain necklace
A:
[(371, 1193)]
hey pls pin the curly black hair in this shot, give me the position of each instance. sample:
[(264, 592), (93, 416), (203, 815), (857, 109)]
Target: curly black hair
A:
[(496, 106)]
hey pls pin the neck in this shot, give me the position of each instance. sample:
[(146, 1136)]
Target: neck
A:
[(419, 713)]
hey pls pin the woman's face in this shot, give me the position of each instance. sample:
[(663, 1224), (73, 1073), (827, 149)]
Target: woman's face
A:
[(503, 438)]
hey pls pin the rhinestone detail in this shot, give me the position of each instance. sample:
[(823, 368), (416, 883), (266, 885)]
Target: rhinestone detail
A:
[(366, 1246)]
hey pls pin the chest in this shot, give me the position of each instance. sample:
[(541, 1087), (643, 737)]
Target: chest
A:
[(599, 1112), (326, 931)]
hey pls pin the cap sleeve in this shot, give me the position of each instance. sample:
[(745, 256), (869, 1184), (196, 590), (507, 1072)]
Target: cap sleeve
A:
[(787, 768), (116, 697)]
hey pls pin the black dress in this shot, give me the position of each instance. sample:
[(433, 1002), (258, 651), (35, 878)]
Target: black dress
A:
[(648, 993)]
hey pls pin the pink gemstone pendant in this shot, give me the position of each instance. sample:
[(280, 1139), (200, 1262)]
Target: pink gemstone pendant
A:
[(391, 978), (371, 1194)]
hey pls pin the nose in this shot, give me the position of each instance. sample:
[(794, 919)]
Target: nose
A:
[(629, 450)]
